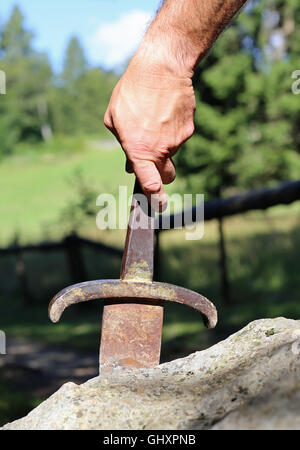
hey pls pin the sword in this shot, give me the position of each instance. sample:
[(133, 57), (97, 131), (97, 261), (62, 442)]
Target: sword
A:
[(133, 313)]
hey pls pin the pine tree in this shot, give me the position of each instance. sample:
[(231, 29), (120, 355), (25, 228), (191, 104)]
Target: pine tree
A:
[(28, 76), (246, 122), (80, 101), (15, 39), (75, 63)]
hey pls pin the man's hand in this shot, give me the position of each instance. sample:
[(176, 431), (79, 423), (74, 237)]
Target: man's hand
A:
[(151, 111)]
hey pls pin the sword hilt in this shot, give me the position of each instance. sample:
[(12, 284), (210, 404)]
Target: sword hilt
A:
[(132, 319)]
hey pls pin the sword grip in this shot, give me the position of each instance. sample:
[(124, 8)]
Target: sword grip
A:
[(138, 255)]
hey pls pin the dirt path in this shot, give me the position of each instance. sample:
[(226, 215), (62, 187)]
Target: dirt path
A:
[(42, 369)]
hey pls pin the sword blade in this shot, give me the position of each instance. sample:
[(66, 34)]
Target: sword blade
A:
[(131, 332)]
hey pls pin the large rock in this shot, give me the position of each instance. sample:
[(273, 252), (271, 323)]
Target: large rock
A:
[(249, 381)]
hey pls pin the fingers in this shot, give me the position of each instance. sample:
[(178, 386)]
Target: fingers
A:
[(151, 183), (167, 171), (128, 166), (152, 177)]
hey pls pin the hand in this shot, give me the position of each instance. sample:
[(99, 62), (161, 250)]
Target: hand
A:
[(151, 113), (152, 107)]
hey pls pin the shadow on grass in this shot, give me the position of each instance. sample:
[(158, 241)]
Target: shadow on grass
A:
[(264, 276), (16, 393)]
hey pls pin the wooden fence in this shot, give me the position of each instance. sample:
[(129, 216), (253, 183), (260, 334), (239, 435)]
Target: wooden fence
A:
[(284, 193)]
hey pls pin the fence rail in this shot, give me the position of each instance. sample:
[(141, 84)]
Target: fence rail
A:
[(72, 245), (283, 194), (50, 246)]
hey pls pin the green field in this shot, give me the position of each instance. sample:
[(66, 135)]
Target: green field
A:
[(38, 183), (36, 186)]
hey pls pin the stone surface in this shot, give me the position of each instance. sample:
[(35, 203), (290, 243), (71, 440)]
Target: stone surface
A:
[(249, 381)]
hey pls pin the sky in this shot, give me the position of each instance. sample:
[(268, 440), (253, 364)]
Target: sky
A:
[(109, 30)]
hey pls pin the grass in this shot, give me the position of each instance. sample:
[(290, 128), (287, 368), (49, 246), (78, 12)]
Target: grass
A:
[(262, 258), (264, 275), (35, 187), (14, 403)]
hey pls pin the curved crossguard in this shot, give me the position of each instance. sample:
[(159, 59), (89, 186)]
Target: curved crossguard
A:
[(133, 312), (138, 290)]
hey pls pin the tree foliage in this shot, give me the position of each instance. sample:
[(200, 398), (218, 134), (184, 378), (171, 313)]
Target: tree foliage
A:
[(247, 118), (246, 122), (28, 75), (39, 102)]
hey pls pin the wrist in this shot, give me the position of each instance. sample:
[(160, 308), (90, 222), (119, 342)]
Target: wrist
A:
[(169, 50)]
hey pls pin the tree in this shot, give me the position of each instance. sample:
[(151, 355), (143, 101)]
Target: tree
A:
[(95, 90), (38, 102), (246, 132), (82, 95), (15, 39), (75, 63), (28, 76)]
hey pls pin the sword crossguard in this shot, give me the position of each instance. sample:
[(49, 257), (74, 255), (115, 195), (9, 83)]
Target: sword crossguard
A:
[(139, 291)]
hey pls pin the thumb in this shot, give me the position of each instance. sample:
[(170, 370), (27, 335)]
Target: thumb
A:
[(151, 184)]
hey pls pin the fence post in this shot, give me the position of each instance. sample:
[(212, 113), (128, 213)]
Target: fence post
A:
[(75, 259), (225, 286)]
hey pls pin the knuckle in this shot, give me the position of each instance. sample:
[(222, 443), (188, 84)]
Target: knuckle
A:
[(137, 148), (188, 132), (107, 121), (163, 152)]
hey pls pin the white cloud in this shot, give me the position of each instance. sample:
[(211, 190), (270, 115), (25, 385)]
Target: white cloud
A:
[(114, 42)]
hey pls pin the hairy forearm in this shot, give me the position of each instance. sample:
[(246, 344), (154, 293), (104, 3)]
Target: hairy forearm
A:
[(185, 30)]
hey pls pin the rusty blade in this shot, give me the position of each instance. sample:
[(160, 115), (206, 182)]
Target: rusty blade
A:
[(131, 331)]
